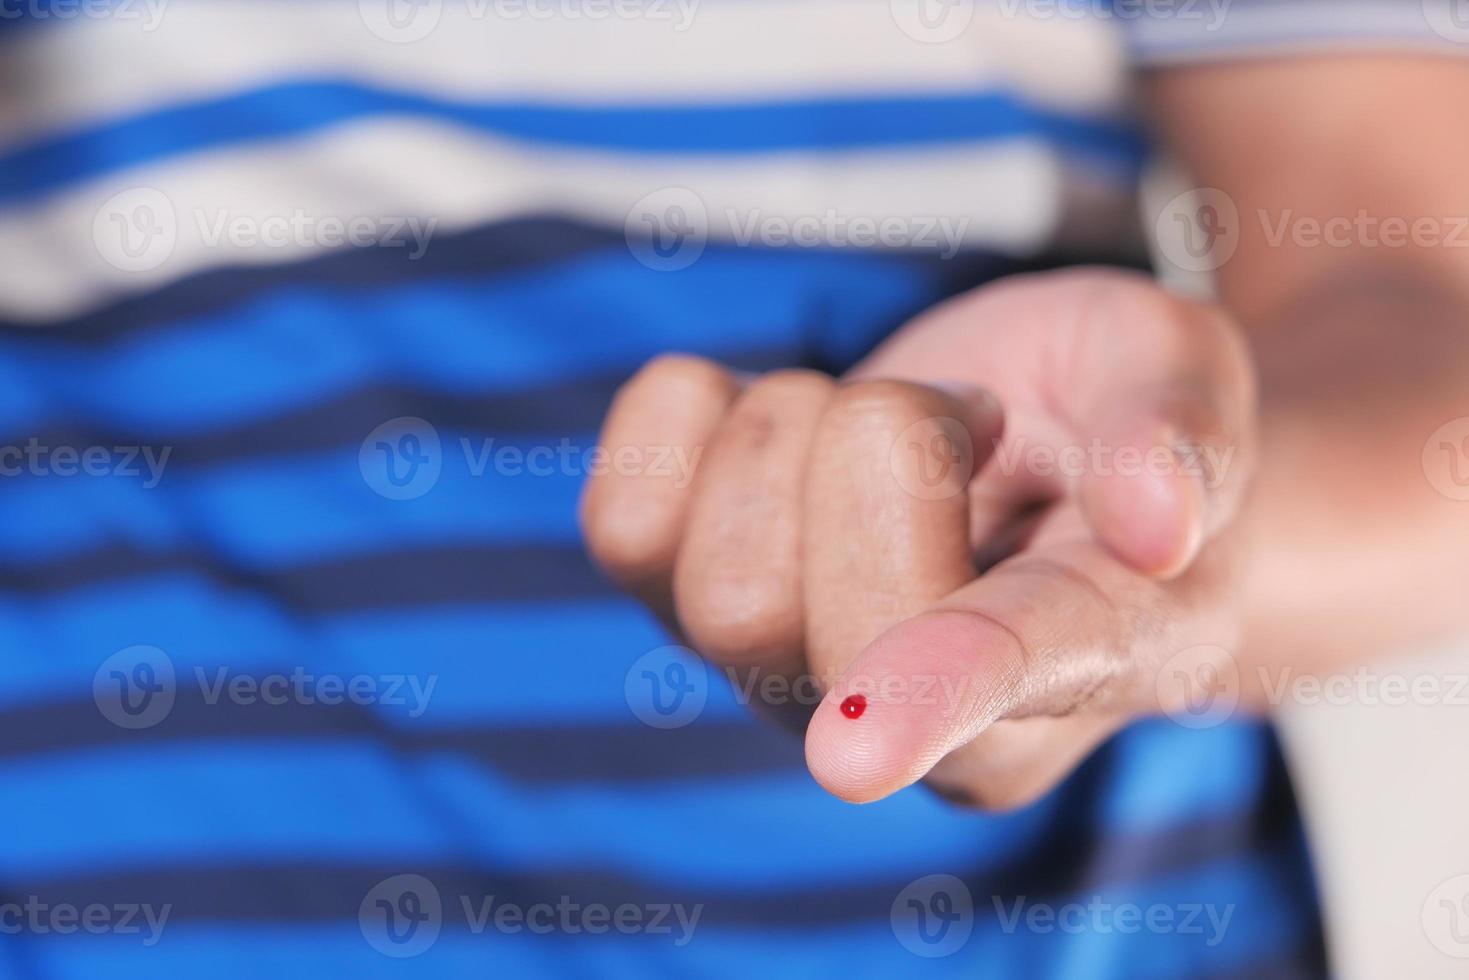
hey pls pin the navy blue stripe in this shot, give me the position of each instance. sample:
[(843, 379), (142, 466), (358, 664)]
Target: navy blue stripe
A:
[(477, 254), (301, 107), (566, 753), (555, 754), (396, 578), (860, 950), (571, 408), (560, 753), (181, 387), (1080, 862), (499, 248), (575, 318), (1307, 961)]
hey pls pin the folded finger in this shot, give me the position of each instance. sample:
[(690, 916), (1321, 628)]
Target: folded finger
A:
[(633, 509), (737, 583), (887, 512)]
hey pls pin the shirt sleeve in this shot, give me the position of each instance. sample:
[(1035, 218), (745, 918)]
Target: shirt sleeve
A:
[(1162, 32)]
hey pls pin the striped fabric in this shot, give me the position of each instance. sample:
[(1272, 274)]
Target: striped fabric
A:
[(293, 689)]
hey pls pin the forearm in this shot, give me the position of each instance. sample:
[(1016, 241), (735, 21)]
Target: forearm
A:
[(1362, 346), (1353, 546)]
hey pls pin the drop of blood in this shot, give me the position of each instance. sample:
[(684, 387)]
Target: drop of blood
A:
[(854, 705)]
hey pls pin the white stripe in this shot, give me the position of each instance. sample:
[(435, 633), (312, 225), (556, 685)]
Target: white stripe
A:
[(1211, 29), (677, 50), (66, 256)]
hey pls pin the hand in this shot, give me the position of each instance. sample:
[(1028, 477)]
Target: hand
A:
[(996, 529)]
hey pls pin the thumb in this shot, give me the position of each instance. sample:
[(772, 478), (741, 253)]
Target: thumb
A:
[(1162, 475)]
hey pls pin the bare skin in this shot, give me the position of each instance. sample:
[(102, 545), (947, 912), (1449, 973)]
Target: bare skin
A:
[(1003, 625)]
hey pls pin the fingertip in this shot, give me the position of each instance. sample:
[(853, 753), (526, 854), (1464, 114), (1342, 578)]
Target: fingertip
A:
[(841, 760), (860, 759), (858, 755), (1152, 521), (905, 703)]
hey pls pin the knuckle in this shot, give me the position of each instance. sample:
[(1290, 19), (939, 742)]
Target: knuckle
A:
[(1100, 644), (881, 406), (676, 371), (667, 393), (1010, 660), (769, 403), (791, 384), (749, 427), (1061, 577), (735, 614)]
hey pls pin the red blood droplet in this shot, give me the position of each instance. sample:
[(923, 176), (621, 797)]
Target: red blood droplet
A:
[(854, 705)]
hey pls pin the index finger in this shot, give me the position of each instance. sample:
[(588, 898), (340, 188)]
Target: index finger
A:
[(1053, 631)]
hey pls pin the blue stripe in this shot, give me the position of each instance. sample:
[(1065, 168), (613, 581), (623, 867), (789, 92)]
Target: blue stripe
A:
[(96, 813), (504, 665), (1267, 923), (279, 512), (97, 808), (1266, 919), (295, 346), (470, 337), (496, 250), (298, 108), (524, 664)]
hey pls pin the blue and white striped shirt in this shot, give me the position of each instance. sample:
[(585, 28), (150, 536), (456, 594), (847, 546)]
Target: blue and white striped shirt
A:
[(283, 694)]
